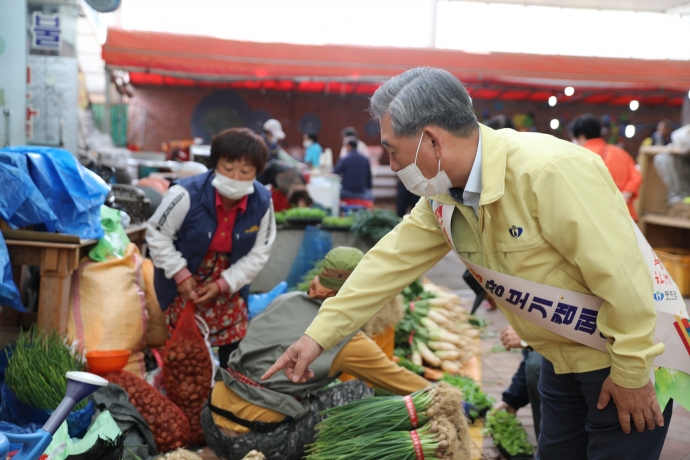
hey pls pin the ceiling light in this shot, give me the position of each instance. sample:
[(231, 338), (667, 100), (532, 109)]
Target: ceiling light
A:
[(552, 101), (629, 131), (634, 105), (569, 91), (555, 123)]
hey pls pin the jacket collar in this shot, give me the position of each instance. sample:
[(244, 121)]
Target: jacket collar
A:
[(493, 168)]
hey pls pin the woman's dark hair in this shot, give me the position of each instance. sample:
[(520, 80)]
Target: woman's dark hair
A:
[(586, 125), (313, 136), (297, 193), (349, 131), (239, 144)]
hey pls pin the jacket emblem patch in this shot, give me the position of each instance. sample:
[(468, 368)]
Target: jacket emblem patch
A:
[(515, 232), (252, 229)]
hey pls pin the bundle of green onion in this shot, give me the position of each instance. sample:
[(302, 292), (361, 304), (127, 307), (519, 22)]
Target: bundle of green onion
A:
[(379, 428), (381, 414), (433, 440), (36, 370)]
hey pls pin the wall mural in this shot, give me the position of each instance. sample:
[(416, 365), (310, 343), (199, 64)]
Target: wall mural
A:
[(310, 123), (222, 110)]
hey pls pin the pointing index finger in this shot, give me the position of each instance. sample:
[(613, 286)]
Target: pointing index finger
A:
[(277, 366)]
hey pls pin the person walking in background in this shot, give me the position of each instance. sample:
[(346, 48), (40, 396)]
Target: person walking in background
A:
[(355, 171), (586, 132), (662, 135), (313, 149), (273, 132), (674, 170), (404, 200), (211, 236), (361, 146)]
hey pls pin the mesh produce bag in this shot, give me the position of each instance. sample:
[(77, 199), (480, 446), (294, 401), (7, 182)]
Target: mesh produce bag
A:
[(188, 371)]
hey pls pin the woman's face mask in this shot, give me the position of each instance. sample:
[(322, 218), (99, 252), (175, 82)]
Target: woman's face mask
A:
[(414, 181), (231, 188)]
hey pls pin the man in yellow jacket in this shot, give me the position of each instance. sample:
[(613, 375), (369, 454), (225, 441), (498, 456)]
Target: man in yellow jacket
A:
[(527, 205)]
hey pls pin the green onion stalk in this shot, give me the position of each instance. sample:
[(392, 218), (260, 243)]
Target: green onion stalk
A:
[(392, 445), (36, 370), (381, 414)]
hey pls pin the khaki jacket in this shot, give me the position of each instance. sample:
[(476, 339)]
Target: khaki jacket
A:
[(577, 235)]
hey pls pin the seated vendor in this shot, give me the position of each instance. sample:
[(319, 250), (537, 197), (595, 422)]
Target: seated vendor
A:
[(355, 171), (288, 411), (281, 177)]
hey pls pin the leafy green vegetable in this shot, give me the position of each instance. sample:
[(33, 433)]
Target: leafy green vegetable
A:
[(378, 391), (507, 431), (306, 279), (338, 221), (477, 321), (471, 391), (410, 366), (413, 291), (36, 370), (305, 213), (375, 223), (280, 217)]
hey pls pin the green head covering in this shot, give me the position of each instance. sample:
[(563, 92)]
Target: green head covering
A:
[(337, 266)]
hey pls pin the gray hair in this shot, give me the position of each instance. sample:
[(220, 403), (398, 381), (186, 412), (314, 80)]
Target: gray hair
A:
[(425, 96)]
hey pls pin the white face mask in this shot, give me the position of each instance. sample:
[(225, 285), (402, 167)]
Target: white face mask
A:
[(308, 143), (231, 188), (414, 181)]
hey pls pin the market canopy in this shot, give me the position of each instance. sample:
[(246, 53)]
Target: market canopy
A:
[(156, 58)]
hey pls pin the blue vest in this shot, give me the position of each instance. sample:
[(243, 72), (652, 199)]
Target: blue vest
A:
[(197, 230)]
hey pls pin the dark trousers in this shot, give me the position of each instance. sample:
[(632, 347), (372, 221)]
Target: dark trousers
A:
[(523, 388), (573, 428)]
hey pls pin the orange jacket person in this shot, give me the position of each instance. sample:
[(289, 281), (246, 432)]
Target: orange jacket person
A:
[(586, 131)]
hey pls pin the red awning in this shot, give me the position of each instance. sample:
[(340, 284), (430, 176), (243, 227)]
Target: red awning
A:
[(163, 58)]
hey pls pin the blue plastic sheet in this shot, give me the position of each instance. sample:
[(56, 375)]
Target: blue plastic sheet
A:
[(21, 203), (259, 302), (9, 294), (14, 411), (74, 193), (315, 245)]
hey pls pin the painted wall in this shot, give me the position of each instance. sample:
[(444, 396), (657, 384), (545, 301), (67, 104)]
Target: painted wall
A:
[(169, 112)]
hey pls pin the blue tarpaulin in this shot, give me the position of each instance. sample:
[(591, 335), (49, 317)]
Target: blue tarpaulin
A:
[(74, 193)]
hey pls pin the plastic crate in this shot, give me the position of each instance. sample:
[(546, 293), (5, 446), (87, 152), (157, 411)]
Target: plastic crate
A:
[(677, 263)]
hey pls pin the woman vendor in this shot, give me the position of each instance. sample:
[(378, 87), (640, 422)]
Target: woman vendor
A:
[(210, 237), (277, 416)]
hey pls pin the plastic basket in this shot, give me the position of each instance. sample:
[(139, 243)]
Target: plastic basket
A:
[(677, 263)]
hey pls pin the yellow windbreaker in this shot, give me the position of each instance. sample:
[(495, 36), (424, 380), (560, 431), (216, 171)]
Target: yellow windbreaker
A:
[(577, 235)]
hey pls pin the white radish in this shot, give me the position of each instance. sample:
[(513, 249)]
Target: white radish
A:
[(437, 345), (429, 323), (416, 358), (438, 334), (428, 355), (451, 367), (448, 355)]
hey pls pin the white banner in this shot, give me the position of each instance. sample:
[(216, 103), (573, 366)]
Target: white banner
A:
[(573, 315)]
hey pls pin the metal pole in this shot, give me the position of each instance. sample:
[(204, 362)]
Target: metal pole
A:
[(432, 23), (685, 114), (106, 112)]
